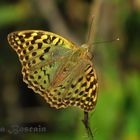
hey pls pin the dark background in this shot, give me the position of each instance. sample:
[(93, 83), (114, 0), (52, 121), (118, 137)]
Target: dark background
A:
[(117, 114)]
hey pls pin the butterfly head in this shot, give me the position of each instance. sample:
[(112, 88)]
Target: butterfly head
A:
[(85, 51)]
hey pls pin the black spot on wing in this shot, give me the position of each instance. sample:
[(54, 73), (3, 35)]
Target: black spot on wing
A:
[(39, 45), (72, 85), (34, 53), (30, 48), (27, 35), (41, 58), (37, 37), (84, 84), (33, 42), (47, 50)]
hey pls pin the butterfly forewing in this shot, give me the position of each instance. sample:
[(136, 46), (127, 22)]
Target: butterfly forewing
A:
[(52, 68)]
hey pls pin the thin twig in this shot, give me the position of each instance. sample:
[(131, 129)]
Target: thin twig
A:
[(86, 124)]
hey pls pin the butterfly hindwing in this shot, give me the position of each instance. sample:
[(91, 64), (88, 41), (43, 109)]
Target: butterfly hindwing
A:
[(78, 88)]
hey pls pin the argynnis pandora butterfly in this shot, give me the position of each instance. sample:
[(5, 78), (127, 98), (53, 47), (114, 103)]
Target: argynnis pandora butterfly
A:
[(56, 68)]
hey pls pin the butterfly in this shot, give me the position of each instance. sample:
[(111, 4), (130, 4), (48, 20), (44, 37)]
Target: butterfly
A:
[(57, 69)]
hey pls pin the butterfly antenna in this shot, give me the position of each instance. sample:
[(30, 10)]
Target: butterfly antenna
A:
[(107, 41), (90, 32), (86, 124)]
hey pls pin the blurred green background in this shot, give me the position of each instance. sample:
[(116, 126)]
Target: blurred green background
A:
[(117, 114)]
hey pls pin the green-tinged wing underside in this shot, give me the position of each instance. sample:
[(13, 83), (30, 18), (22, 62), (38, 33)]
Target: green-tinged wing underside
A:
[(78, 89), (40, 54)]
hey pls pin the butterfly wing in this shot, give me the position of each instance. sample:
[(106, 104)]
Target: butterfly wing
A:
[(83, 88), (79, 88), (49, 69), (41, 53)]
